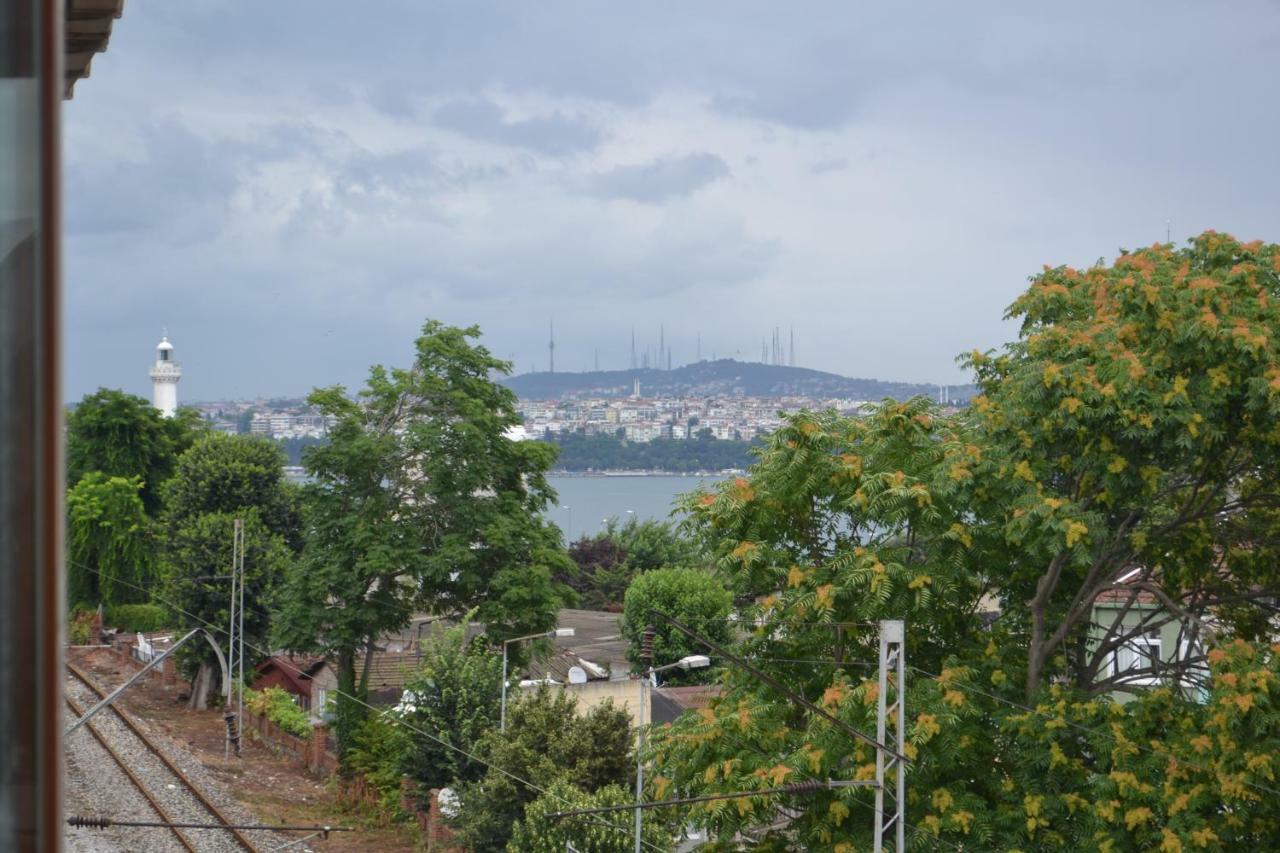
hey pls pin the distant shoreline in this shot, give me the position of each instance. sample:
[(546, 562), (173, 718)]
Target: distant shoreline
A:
[(626, 473)]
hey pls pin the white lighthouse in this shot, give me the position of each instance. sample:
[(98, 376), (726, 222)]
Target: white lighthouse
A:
[(165, 374)]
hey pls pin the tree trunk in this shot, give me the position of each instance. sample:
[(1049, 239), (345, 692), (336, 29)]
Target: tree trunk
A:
[(201, 686)]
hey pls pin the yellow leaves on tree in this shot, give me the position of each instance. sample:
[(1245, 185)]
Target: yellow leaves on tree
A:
[(1075, 532), (1137, 817)]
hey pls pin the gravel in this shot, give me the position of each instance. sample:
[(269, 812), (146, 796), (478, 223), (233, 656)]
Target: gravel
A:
[(96, 786)]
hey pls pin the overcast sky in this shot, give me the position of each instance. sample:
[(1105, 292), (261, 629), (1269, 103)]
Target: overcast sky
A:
[(292, 188)]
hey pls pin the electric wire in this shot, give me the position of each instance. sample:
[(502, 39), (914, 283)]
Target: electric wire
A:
[(383, 713)]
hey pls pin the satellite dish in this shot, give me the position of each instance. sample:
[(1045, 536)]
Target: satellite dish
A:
[(577, 675)]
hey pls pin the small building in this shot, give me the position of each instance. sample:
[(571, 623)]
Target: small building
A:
[(291, 674)]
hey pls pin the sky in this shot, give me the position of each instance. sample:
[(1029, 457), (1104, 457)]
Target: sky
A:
[(293, 188)]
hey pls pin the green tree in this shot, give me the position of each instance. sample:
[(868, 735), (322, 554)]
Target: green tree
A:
[(608, 833), (1135, 423), (219, 479), (1129, 430), (109, 553), (419, 502), (125, 436), (546, 741), (224, 473), (455, 695), (693, 596), (196, 583), (607, 562)]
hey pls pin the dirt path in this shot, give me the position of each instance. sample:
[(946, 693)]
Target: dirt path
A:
[(270, 786)]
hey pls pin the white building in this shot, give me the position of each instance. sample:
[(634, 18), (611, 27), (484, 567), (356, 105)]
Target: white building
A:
[(165, 374)]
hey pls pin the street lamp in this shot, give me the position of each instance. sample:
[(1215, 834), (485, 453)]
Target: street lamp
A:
[(686, 662), (558, 632)]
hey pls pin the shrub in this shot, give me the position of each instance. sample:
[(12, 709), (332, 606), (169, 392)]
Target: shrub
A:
[(278, 706), (377, 751), (695, 597), (79, 627), (138, 617)]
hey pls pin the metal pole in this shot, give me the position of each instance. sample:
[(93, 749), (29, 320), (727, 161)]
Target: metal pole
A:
[(502, 724), (231, 632), (644, 690), (891, 657), (240, 634)]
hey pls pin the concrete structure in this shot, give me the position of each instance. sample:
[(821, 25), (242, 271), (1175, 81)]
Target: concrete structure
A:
[(165, 374)]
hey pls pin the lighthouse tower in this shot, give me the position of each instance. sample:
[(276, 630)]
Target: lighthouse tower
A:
[(165, 374)]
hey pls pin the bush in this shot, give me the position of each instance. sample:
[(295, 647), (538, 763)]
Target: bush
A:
[(696, 598), (278, 706), (377, 751), (79, 627), (138, 617)]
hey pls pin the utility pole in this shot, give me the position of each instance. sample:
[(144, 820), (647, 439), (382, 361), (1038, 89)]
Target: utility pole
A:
[(235, 646), (891, 772)]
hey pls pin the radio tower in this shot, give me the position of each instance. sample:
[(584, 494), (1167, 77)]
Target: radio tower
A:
[(551, 347)]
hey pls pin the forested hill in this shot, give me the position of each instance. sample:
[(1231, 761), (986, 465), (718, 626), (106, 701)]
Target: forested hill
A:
[(723, 377)]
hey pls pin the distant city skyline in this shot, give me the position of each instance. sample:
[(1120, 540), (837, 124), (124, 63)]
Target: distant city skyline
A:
[(293, 199)]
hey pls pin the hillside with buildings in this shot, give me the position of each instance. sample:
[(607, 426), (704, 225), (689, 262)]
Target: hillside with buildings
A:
[(723, 377)]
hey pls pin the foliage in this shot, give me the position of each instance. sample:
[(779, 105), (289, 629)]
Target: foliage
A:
[(455, 696), (109, 552), (219, 479), (376, 751), (80, 627), (608, 833), (679, 456), (196, 581), (694, 597), (421, 503), (546, 741), (600, 574), (279, 706), (294, 447), (122, 435), (1135, 423), (607, 562), (1132, 426), (138, 617), (223, 473)]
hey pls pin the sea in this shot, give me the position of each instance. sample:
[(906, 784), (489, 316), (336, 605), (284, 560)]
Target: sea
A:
[(587, 501)]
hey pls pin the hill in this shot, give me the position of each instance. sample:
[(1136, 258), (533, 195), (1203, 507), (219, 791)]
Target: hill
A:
[(724, 377)]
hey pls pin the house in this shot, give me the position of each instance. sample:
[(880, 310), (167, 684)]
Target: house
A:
[(291, 674), (388, 674), (1137, 642)]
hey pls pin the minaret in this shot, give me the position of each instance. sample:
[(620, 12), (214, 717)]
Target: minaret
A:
[(551, 347), (165, 374)]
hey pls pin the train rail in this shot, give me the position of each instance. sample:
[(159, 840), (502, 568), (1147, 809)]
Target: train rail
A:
[(166, 797)]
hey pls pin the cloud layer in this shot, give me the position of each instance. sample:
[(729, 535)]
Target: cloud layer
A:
[(293, 190)]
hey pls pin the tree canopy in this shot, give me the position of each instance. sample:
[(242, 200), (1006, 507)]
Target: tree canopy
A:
[(219, 479), (420, 502), (110, 557), (1123, 445), (546, 741), (122, 435), (693, 596)]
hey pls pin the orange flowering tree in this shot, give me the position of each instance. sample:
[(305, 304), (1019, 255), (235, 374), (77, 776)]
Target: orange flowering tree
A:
[(1124, 445), (1133, 432)]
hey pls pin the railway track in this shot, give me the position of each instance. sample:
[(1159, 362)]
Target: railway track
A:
[(167, 790)]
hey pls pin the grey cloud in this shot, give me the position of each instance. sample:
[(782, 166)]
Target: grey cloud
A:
[(482, 119), (662, 179)]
